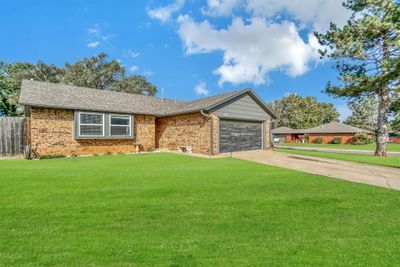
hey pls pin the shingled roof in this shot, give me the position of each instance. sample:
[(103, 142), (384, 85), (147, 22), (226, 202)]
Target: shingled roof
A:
[(58, 95), (287, 130), (332, 127), (335, 127)]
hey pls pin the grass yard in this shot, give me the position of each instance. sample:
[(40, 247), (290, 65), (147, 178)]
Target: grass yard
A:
[(174, 210), (368, 159), (394, 147)]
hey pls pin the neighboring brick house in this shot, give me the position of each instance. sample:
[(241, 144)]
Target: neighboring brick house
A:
[(326, 131), (71, 120)]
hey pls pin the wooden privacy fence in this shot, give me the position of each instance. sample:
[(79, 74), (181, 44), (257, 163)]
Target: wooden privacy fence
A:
[(13, 136)]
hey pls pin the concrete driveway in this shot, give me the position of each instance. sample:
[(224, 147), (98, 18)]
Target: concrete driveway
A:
[(355, 172)]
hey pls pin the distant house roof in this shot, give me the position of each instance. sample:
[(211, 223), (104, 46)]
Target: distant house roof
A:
[(287, 130), (58, 95), (335, 127), (332, 127)]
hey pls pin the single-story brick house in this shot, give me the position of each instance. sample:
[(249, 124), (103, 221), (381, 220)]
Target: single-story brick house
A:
[(71, 120), (326, 131)]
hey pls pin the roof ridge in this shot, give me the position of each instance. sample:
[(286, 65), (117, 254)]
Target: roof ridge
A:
[(222, 94), (76, 87)]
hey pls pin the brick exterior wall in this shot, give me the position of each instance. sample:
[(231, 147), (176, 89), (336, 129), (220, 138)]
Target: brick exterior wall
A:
[(51, 133), (327, 138), (184, 130), (145, 131)]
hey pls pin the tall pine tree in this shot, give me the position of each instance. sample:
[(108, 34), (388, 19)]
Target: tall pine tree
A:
[(366, 51)]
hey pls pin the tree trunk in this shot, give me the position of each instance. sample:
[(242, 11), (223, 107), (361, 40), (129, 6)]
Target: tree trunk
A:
[(382, 129)]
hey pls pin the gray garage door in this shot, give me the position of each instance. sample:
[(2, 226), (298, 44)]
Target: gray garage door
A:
[(239, 135)]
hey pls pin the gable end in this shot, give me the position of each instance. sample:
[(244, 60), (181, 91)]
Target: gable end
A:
[(245, 106)]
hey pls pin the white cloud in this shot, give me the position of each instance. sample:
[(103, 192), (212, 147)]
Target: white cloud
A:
[(95, 30), (201, 89), (93, 44), (250, 50), (133, 68), (96, 36), (164, 13), (130, 53), (317, 13), (107, 37), (148, 73), (217, 8)]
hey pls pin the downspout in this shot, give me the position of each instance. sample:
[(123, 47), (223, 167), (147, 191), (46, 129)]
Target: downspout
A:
[(211, 131), (271, 141)]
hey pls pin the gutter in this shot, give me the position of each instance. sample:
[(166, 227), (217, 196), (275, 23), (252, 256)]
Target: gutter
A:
[(211, 131)]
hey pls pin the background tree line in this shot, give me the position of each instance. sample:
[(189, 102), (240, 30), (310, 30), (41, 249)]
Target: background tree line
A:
[(94, 72), (300, 112)]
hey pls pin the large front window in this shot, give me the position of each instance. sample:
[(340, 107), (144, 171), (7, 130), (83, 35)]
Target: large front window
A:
[(120, 125), (91, 124), (98, 125)]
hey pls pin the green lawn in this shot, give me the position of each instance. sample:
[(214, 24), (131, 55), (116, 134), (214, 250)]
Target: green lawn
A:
[(174, 210), (388, 162), (394, 147)]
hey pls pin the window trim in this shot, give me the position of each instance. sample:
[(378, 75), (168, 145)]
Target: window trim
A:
[(93, 113), (121, 116)]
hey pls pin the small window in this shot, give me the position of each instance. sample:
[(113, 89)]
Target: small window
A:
[(120, 125), (91, 124)]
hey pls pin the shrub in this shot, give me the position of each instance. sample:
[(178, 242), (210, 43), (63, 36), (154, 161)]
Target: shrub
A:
[(361, 139), (319, 140), (337, 140)]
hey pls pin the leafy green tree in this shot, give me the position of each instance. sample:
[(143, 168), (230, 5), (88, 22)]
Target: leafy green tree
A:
[(135, 84), (299, 112), (11, 76), (395, 124), (364, 113), (97, 72), (366, 51), (94, 72)]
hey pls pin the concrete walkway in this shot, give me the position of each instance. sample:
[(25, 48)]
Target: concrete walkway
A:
[(350, 171), (338, 150)]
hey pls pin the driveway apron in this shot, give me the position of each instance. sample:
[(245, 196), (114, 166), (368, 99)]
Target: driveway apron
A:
[(356, 172)]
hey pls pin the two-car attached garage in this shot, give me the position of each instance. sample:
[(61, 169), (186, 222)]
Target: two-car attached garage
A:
[(242, 121)]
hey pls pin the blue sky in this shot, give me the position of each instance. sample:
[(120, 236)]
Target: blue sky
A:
[(187, 48)]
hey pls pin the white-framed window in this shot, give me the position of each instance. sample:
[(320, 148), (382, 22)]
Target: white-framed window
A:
[(120, 125), (90, 124)]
